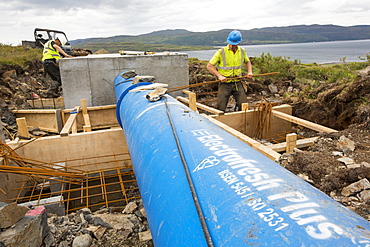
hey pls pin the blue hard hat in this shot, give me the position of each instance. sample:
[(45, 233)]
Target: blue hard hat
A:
[(235, 37)]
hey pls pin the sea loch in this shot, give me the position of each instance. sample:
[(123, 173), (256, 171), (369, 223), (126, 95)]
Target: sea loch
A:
[(319, 52)]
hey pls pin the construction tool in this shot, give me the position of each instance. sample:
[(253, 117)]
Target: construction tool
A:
[(173, 89)]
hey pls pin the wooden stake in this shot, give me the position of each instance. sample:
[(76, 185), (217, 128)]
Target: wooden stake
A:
[(291, 142), (22, 127), (2, 136), (87, 126), (244, 106)]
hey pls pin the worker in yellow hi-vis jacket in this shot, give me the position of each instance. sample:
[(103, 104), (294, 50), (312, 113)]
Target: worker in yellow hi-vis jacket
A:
[(227, 63), (51, 54)]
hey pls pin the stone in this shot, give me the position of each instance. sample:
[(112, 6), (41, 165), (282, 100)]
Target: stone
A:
[(156, 94), (130, 208), (99, 232), (102, 211), (29, 231), (356, 187), (145, 236), (114, 210), (84, 240), (365, 164), (147, 78), (97, 221), (10, 214), (346, 160), (10, 73), (142, 211), (365, 195), (117, 221), (353, 166), (345, 145), (337, 153), (85, 211), (273, 89)]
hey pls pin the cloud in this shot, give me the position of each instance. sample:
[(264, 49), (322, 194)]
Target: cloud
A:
[(104, 18)]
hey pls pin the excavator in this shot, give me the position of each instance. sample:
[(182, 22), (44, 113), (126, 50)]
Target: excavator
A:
[(43, 35)]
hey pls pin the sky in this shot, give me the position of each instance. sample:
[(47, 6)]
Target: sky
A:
[(81, 19)]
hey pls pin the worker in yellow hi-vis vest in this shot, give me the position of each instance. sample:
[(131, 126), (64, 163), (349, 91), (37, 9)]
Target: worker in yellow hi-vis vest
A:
[(227, 63), (51, 54)]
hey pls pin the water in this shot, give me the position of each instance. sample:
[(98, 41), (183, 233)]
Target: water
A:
[(319, 52)]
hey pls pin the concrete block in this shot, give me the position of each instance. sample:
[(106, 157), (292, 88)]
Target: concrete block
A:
[(53, 205), (91, 77)]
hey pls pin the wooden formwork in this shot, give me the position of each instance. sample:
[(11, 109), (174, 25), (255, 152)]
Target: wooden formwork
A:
[(89, 139)]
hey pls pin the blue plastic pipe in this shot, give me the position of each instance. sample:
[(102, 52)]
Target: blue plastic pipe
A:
[(202, 186)]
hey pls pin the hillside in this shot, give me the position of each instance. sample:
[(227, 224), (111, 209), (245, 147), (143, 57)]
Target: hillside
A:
[(181, 39)]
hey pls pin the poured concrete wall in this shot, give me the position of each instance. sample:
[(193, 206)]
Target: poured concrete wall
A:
[(91, 77)]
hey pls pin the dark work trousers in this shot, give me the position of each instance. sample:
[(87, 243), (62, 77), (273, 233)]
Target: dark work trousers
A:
[(225, 90), (52, 69)]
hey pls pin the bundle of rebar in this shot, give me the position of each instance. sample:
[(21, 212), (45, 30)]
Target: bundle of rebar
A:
[(263, 116)]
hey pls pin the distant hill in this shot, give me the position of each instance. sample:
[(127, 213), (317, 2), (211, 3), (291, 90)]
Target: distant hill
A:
[(181, 39)]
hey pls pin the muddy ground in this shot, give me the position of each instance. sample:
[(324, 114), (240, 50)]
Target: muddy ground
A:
[(334, 162)]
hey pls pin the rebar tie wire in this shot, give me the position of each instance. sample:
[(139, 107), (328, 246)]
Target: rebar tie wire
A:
[(190, 181)]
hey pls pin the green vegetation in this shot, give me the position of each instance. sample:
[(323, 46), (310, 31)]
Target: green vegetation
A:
[(313, 73), (18, 55), (267, 63)]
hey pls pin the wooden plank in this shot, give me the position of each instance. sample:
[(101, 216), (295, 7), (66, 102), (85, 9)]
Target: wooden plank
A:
[(99, 116), (22, 127), (46, 120), (251, 142), (46, 103), (79, 149), (245, 121), (87, 125), (291, 142), (201, 106), (70, 122), (303, 122), (302, 143)]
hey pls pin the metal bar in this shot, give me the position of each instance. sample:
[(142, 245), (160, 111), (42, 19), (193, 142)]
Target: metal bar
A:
[(121, 182)]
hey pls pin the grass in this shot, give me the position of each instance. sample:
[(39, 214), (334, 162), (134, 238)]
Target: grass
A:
[(18, 55)]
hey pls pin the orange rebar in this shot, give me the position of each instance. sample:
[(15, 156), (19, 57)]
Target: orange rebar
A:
[(173, 89)]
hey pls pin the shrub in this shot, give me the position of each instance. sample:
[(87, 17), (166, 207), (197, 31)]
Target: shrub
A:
[(267, 63)]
